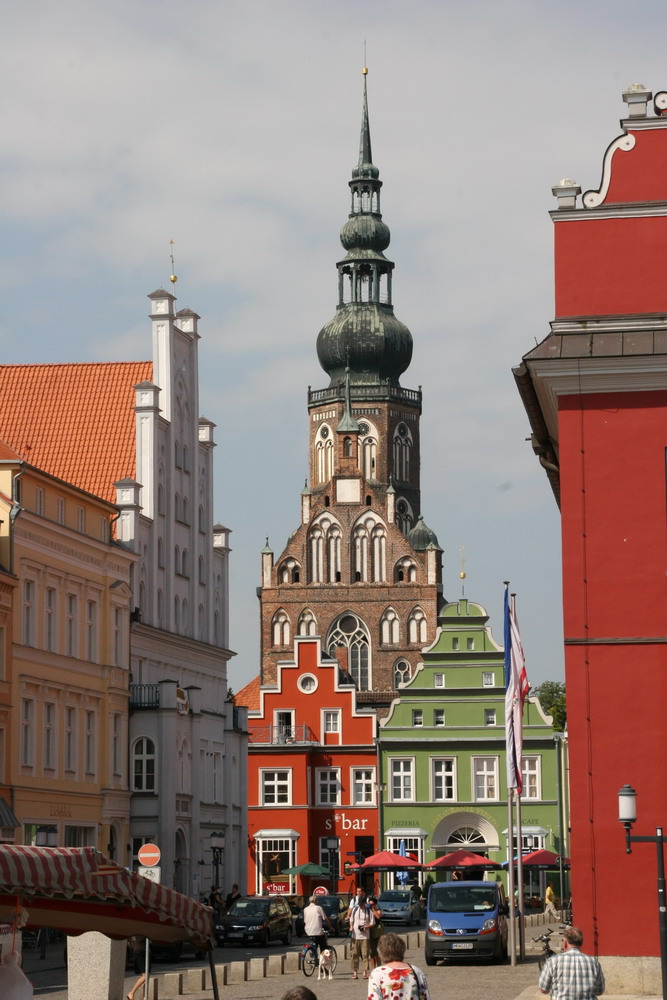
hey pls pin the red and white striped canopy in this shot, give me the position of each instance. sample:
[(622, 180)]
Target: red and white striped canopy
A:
[(77, 889)]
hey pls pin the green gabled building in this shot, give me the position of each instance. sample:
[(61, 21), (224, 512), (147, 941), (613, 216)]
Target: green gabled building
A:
[(442, 751)]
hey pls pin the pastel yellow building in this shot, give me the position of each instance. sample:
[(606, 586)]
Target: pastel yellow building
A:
[(68, 674)]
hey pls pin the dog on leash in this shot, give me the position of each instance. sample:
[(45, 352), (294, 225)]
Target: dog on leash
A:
[(325, 964)]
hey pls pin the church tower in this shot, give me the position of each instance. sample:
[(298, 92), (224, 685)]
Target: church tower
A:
[(362, 570)]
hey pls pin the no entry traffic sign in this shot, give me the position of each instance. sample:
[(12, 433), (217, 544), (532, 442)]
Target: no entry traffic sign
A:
[(149, 855)]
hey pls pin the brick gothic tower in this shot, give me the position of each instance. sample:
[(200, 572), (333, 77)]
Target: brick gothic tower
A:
[(362, 570)]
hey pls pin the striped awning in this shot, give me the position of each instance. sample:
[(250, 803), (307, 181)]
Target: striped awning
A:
[(77, 889), (7, 818)]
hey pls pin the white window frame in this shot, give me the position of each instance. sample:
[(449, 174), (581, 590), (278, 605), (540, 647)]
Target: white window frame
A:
[(70, 746), (417, 718), (277, 780), (331, 723), (116, 744), (49, 743), (90, 743), (60, 510), (531, 765), (81, 519), (27, 731), (401, 779), (362, 786), (143, 778), (29, 604), (39, 501), (91, 630), (448, 767), (438, 680), (482, 768), (490, 717), (488, 679), (470, 643), (328, 787), (439, 717), (72, 625), (51, 619)]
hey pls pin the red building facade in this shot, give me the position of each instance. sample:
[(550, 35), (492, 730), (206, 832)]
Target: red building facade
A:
[(312, 772), (595, 391)]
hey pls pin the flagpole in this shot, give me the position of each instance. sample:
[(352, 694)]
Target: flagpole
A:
[(510, 876), (519, 878)]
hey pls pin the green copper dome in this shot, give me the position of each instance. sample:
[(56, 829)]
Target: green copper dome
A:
[(421, 537), (364, 334)]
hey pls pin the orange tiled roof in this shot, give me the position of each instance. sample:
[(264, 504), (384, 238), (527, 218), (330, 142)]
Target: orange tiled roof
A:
[(8, 454), (249, 695), (74, 421)]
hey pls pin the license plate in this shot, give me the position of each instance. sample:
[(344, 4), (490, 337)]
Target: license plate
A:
[(462, 945), (235, 934)]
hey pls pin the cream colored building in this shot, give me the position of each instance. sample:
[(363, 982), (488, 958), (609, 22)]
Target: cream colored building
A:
[(69, 669)]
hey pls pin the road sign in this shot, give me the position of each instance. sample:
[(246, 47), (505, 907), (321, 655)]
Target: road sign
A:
[(320, 891), (149, 855), (154, 873)]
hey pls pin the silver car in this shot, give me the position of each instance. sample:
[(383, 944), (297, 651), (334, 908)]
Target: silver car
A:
[(401, 906)]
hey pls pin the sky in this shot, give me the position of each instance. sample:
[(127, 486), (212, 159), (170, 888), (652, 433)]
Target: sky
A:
[(231, 127)]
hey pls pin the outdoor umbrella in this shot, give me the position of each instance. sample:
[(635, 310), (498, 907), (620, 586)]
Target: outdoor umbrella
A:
[(309, 868), (386, 861), (463, 859), (544, 860)]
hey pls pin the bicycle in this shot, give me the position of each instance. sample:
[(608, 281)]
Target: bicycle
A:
[(310, 957), (547, 950)]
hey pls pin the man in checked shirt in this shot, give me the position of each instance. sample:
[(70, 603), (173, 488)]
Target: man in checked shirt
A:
[(572, 975)]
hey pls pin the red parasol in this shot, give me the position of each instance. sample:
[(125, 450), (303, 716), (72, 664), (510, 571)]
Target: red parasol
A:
[(387, 861), (546, 860), (463, 859)]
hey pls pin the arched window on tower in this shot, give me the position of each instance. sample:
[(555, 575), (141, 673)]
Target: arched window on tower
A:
[(404, 515), (281, 629), (402, 672), (307, 623), (405, 571), (347, 447), (289, 571), (417, 626), (324, 549), (350, 632), (367, 456), (402, 452), (369, 550), (389, 628), (324, 456)]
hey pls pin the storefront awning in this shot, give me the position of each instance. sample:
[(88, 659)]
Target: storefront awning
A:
[(7, 817)]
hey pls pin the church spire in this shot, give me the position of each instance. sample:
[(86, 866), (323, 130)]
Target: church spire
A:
[(365, 155)]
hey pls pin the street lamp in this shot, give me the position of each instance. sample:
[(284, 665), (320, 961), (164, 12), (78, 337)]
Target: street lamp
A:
[(46, 836), (218, 850), (627, 814), (331, 845)]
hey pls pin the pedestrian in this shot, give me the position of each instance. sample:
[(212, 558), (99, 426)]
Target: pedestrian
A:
[(215, 900), (299, 993), (314, 918), (377, 930), (395, 977), (360, 919), (231, 896), (550, 901), (571, 975), (139, 983)]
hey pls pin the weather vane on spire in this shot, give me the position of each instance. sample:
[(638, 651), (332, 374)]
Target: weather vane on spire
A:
[(172, 276), (364, 69), (462, 574)]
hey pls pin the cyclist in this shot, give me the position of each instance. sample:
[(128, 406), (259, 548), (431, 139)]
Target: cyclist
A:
[(314, 918)]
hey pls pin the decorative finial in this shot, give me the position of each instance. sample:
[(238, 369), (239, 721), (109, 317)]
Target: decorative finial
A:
[(172, 276), (364, 69), (462, 574)]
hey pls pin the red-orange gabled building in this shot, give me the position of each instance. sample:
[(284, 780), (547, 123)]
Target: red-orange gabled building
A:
[(312, 770), (596, 394)]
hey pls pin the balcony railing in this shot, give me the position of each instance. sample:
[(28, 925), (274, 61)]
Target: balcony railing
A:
[(282, 735), (361, 392), (144, 696)]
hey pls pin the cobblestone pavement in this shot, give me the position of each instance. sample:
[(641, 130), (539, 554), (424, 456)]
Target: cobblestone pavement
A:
[(459, 981)]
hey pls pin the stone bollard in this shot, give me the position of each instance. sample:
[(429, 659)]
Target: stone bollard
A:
[(195, 980), (237, 972), (96, 967), (292, 961), (275, 965), (172, 984), (257, 968)]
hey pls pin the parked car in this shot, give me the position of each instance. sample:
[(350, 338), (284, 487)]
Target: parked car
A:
[(466, 920), (258, 919), (296, 905), (336, 908), (161, 951), (401, 906)]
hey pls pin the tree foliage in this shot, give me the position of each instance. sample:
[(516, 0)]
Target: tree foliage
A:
[(552, 699)]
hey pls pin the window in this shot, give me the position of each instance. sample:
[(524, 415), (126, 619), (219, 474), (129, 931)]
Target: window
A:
[(402, 673), (488, 679), (80, 519), (276, 788), (531, 775), (116, 744), (389, 629), (438, 680), (104, 529), (118, 637), (328, 786), (70, 739), (27, 731), (91, 631), (28, 612), (60, 510), (143, 765), (49, 736), (369, 553), (455, 642), (438, 716), (489, 716), (71, 626), (50, 623), (417, 626), (307, 623), (274, 854), (363, 789), (331, 721), (281, 629), (284, 728), (417, 717), (349, 631), (160, 553), (89, 737), (470, 643), (3, 654), (443, 774), (485, 778), (401, 780), (39, 501)]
